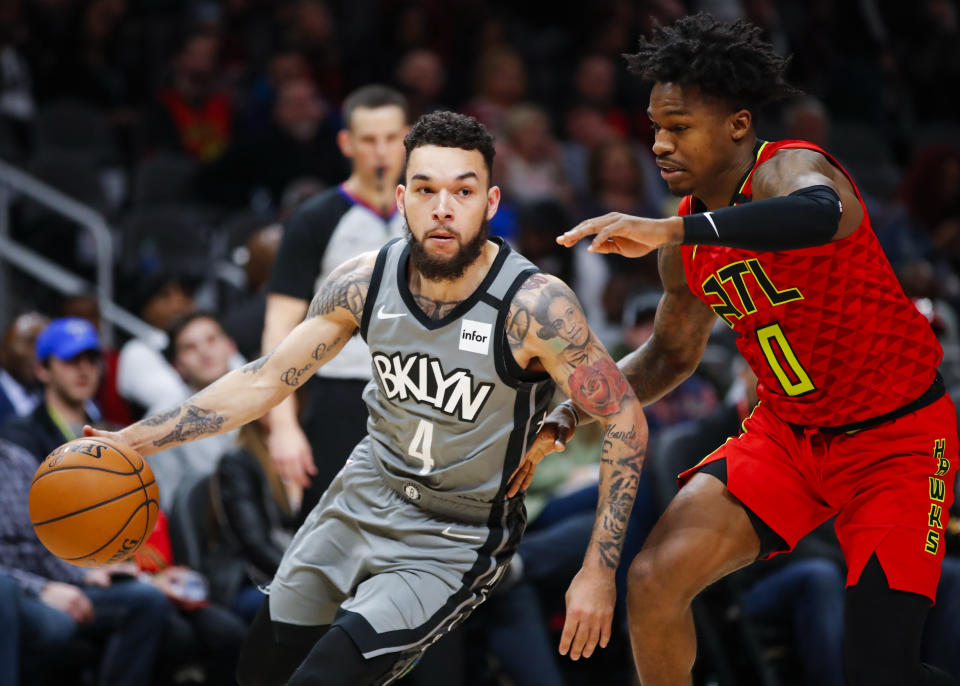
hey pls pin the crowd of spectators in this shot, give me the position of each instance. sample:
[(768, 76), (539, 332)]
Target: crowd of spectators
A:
[(197, 127)]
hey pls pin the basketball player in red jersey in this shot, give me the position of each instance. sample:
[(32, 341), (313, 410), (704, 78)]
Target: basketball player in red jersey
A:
[(774, 238)]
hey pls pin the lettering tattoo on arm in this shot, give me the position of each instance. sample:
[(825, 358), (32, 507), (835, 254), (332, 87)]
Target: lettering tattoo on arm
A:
[(292, 376), (295, 376), (324, 351), (196, 421)]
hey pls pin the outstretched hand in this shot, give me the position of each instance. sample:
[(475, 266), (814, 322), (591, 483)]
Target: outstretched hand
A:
[(556, 430), (624, 235)]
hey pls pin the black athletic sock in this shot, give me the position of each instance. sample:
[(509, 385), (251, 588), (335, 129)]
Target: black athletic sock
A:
[(266, 662), (336, 661), (883, 631)]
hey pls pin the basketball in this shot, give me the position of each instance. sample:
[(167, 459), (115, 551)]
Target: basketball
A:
[(93, 502)]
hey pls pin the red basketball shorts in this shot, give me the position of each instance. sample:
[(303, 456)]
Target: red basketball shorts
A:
[(890, 487)]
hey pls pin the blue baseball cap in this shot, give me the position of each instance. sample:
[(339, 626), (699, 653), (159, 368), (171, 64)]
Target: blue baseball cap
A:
[(66, 338)]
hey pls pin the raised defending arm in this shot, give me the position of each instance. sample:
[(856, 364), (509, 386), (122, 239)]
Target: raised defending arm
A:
[(800, 199), (247, 393)]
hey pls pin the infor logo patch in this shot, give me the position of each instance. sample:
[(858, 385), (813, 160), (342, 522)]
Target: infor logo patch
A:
[(475, 337)]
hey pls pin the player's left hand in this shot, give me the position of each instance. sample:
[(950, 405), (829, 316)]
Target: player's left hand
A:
[(624, 234), (590, 600), (557, 429)]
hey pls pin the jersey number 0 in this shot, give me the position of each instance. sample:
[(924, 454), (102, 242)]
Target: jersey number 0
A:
[(796, 381)]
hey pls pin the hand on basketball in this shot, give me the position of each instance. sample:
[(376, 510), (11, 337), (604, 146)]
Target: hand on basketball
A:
[(590, 600), (90, 432), (292, 456), (556, 430), (624, 234), (68, 598)]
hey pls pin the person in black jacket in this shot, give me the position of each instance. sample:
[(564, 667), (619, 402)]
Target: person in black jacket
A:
[(256, 513)]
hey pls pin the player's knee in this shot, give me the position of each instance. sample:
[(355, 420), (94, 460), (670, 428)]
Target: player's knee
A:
[(645, 583)]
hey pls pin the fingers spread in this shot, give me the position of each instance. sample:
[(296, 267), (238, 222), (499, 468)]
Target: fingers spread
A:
[(585, 228)]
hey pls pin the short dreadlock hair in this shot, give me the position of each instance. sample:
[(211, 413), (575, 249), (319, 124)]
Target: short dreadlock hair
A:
[(451, 130), (730, 61)]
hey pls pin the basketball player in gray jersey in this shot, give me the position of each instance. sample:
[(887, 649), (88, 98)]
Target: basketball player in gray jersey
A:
[(468, 341)]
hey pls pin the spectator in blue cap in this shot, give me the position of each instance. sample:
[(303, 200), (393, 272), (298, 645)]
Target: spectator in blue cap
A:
[(69, 368)]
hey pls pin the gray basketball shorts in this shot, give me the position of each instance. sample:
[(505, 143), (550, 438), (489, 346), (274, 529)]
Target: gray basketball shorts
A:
[(391, 574)]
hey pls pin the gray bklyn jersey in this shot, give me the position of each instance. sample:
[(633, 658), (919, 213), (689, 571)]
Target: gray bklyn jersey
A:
[(451, 412)]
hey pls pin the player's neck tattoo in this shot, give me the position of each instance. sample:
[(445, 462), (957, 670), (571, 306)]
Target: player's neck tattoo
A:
[(435, 309)]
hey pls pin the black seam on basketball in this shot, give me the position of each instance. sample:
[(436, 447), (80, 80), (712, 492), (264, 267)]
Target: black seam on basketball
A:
[(96, 505), (143, 487), (100, 441), (83, 466), (119, 531), (122, 454)]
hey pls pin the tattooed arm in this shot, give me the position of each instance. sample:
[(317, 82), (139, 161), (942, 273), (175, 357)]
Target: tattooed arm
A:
[(547, 328), (247, 393), (680, 332)]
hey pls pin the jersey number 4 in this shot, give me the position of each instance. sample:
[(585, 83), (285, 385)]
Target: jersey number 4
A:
[(421, 446), (783, 361)]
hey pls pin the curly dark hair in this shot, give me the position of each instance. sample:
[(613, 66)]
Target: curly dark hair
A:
[(730, 61), (451, 130)]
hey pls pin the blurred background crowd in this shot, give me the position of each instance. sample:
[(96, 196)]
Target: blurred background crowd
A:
[(199, 128)]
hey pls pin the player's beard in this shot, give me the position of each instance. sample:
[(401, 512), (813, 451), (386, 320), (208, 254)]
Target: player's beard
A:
[(451, 268)]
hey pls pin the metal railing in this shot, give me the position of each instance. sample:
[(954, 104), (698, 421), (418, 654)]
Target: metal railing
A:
[(13, 180)]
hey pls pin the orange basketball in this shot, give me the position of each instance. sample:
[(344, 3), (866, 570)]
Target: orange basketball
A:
[(93, 502)]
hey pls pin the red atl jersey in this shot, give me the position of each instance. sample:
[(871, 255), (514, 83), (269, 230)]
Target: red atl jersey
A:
[(827, 329)]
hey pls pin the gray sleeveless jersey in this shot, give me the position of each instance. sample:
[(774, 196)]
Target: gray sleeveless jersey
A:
[(451, 412)]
